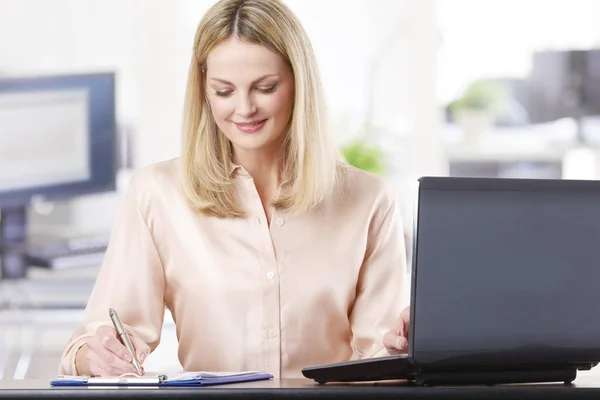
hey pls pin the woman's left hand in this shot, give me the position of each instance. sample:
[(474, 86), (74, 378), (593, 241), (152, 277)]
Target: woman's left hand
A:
[(396, 340)]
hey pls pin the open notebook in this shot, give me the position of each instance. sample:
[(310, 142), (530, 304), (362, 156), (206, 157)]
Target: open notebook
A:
[(181, 379)]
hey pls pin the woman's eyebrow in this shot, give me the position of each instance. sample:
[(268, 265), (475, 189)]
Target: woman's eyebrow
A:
[(253, 82)]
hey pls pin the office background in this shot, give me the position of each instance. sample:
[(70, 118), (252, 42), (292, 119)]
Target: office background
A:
[(415, 87)]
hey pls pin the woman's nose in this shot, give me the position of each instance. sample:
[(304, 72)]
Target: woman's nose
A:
[(245, 106)]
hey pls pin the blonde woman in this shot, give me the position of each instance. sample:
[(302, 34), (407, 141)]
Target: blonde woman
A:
[(270, 252)]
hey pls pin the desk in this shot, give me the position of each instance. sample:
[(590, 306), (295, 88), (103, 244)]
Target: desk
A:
[(585, 388)]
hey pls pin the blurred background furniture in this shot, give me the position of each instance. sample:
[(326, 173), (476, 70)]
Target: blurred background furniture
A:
[(39, 314)]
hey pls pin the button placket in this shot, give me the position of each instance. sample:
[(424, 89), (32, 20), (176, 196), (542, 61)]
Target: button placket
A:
[(269, 270), (274, 334)]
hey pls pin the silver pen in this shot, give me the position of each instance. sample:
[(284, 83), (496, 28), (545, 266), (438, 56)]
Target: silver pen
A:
[(125, 339)]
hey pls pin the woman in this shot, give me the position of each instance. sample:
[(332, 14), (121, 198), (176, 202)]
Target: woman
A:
[(269, 251)]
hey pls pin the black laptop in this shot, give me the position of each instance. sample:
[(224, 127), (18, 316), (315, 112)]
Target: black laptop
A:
[(505, 285)]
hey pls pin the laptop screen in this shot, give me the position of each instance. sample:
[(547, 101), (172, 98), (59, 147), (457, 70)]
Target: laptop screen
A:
[(507, 268)]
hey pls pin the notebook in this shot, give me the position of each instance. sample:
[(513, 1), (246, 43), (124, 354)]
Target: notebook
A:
[(181, 379)]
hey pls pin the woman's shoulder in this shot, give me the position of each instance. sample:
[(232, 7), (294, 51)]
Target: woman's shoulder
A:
[(366, 188), (160, 180), (161, 176)]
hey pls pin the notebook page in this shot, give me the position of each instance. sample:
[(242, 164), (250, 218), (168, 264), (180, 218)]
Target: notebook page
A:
[(185, 376)]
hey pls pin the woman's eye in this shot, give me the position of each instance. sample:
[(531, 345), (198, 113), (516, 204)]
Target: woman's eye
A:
[(223, 93), (269, 89)]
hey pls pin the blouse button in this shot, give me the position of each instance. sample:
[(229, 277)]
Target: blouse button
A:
[(279, 221)]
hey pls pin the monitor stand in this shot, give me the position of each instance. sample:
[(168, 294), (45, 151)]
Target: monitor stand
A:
[(13, 242)]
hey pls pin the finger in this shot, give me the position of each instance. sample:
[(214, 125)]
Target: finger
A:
[(142, 350), (395, 344), (99, 367), (404, 322), (113, 344), (115, 364), (403, 329), (399, 327), (106, 337), (112, 360), (405, 314)]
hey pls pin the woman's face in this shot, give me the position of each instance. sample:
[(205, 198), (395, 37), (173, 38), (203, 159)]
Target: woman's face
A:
[(251, 94)]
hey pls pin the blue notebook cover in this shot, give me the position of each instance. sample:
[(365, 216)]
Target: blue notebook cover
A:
[(181, 380), (207, 378)]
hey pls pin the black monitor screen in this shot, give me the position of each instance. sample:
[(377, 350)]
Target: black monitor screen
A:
[(57, 137), (507, 268)]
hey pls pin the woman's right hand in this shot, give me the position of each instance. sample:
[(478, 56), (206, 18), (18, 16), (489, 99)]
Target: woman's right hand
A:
[(107, 356)]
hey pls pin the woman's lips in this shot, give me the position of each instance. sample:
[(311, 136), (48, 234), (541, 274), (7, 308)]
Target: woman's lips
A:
[(250, 127)]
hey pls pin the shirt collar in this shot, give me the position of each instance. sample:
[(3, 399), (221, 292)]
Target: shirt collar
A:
[(238, 170)]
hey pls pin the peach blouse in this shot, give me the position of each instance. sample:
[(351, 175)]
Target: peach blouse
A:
[(318, 288)]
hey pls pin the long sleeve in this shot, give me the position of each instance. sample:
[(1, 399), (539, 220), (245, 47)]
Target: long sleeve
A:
[(379, 293), (131, 280)]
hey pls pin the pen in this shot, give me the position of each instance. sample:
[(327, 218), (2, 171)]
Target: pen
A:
[(125, 339)]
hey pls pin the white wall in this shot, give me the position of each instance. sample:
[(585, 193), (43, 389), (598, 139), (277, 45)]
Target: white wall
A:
[(142, 40), (495, 38), (148, 43), (38, 36)]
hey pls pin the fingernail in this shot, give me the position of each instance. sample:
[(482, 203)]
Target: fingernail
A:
[(400, 343), (142, 357)]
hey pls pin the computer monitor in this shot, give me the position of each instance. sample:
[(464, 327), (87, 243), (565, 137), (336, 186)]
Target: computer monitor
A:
[(57, 141), (563, 84)]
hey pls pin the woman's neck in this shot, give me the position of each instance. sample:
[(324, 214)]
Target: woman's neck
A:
[(263, 166)]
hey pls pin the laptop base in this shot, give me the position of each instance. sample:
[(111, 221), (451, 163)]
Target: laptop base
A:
[(401, 368), (566, 376), (371, 369)]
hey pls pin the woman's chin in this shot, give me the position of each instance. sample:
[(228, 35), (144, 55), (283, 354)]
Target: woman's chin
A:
[(253, 142)]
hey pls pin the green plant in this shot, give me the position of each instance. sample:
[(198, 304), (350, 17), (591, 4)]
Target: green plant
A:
[(482, 95), (366, 156)]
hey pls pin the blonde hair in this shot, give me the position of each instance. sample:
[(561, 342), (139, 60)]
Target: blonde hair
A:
[(311, 162)]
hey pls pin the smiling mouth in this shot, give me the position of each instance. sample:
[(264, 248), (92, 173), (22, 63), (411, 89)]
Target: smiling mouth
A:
[(250, 127), (248, 124)]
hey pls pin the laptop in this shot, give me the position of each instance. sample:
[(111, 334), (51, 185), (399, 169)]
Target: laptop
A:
[(505, 285)]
